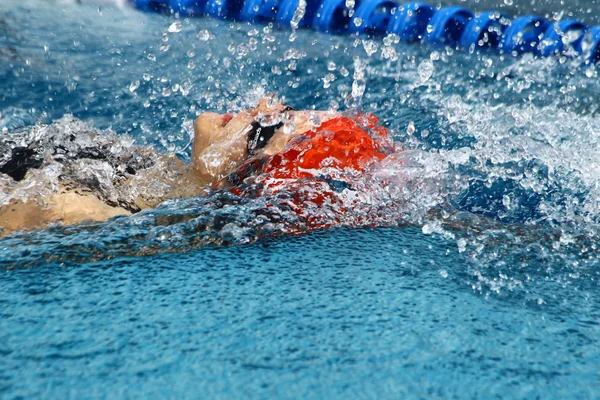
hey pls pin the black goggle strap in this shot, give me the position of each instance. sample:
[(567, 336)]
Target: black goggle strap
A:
[(259, 135)]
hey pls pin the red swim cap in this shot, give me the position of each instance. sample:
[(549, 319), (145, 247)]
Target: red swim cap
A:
[(338, 143)]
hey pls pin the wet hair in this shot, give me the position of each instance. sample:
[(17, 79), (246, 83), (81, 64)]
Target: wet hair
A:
[(20, 161), (80, 151), (260, 135)]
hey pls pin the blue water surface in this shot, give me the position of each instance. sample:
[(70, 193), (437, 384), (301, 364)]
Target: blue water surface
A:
[(363, 313), (506, 306)]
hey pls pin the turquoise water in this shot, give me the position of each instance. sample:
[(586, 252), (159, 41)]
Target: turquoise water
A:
[(350, 313), (501, 304)]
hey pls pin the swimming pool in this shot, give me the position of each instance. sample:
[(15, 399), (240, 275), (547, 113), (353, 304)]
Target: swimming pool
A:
[(505, 306)]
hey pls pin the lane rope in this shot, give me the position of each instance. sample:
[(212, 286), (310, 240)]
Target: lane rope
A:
[(451, 26)]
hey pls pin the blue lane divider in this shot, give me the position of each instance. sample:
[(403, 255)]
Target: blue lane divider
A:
[(524, 35), (259, 10), (594, 50), (333, 16), (485, 30), (449, 26), (410, 21), (287, 9), (556, 35), (373, 16)]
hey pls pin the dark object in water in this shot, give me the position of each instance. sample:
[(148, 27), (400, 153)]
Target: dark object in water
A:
[(22, 159)]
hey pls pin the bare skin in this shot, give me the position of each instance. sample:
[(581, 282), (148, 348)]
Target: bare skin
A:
[(220, 141), (66, 207), (219, 147)]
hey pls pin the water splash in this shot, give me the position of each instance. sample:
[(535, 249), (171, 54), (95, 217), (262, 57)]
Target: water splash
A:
[(400, 190), (513, 139)]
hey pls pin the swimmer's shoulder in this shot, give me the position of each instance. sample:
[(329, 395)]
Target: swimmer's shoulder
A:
[(65, 207)]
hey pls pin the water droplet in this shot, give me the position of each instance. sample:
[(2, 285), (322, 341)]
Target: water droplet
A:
[(151, 57), (331, 66), (425, 70), (370, 47), (174, 27), (314, 119), (327, 79), (203, 35), (391, 39), (506, 202), (292, 54), (508, 2), (164, 235), (557, 16), (133, 86), (358, 88), (389, 53), (289, 127)]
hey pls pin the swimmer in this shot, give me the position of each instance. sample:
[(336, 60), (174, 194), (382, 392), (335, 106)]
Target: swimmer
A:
[(227, 149)]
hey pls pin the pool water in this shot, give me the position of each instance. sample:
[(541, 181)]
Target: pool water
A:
[(504, 303)]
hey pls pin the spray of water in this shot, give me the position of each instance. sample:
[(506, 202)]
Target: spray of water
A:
[(497, 156)]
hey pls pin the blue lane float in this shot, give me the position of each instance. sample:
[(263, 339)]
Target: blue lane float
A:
[(484, 30), (449, 26), (410, 21)]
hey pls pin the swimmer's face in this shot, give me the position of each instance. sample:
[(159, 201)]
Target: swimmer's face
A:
[(223, 141)]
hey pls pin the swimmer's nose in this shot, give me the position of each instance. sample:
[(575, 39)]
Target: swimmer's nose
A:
[(226, 118)]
